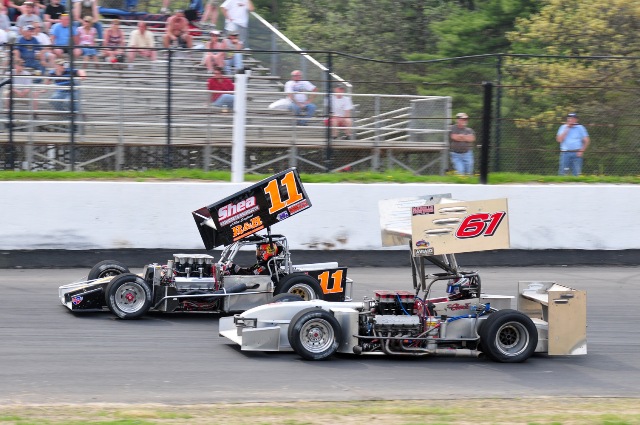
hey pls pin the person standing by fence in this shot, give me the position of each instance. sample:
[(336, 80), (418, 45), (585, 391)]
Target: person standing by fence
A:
[(461, 145), (573, 139)]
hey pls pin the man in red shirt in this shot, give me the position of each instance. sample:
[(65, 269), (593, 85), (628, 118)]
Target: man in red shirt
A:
[(222, 89)]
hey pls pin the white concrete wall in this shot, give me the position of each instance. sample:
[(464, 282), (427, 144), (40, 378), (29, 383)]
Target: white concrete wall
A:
[(111, 215)]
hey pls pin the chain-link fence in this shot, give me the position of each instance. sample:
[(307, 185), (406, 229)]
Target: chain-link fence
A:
[(144, 114)]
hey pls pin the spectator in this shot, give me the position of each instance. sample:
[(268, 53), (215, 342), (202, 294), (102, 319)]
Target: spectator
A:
[(5, 23), (222, 90), (301, 103), (341, 106), (87, 39), (60, 37), (47, 57), (114, 43), (15, 8), (236, 14), (214, 59), (29, 50), (61, 77), (177, 32), (52, 13), (22, 86), (461, 145), (574, 140), (233, 60), (141, 38), (82, 8), (210, 13), (28, 17)]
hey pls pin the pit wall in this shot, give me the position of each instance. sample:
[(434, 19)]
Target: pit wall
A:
[(117, 215)]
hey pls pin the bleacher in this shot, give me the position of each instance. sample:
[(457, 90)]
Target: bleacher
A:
[(127, 104)]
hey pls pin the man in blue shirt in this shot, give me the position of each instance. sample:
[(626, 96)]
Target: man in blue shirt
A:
[(29, 49), (573, 139), (60, 37)]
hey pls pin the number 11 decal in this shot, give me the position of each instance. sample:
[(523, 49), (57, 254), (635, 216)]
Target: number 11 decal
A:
[(336, 277), (273, 190)]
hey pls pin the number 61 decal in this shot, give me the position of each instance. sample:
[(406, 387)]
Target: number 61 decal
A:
[(480, 224)]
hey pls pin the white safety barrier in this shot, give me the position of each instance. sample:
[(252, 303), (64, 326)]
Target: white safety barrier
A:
[(112, 215)]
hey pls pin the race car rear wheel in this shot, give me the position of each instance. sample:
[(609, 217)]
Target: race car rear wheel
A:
[(128, 296), (508, 336), (314, 334), (300, 284), (107, 268)]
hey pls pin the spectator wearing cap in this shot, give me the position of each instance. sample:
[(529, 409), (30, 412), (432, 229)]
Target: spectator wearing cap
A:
[(574, 140), (236, 14), (461, 140), (221, 89), (52, 13), (301, 103), (28, 17), (141, 38), (82, 8), (60, 76), (341, 107), (60, 37), (233, 56), (29, 49), (215, 57)]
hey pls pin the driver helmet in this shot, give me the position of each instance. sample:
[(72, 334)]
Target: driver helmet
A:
[(265, 251)]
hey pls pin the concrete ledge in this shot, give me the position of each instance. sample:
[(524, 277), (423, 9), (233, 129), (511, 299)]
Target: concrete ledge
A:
[(45, 258)]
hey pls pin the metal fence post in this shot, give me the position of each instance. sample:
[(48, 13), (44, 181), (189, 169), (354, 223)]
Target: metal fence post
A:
[(329, 152), (11, 164), (496, 158), (486, 131), (167, 158), (72, 97)]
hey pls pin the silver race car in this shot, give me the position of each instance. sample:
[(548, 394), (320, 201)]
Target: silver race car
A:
[(197, 282), (464, 321)]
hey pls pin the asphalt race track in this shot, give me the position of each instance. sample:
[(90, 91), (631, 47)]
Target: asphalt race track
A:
[(50, 355)]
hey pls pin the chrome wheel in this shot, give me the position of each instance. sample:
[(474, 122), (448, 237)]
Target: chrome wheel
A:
[(317, 335), (130, 297)]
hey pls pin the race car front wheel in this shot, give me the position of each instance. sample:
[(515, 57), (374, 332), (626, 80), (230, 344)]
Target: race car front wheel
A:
[(314, 334), (107, 268), (508, 336), (300, 284), (128, 296)]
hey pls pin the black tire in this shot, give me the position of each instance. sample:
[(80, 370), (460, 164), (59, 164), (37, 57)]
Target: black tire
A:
[(107, 268), (314, 334), (300, 284), (508, 336), (286, 298), (128, 296)]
